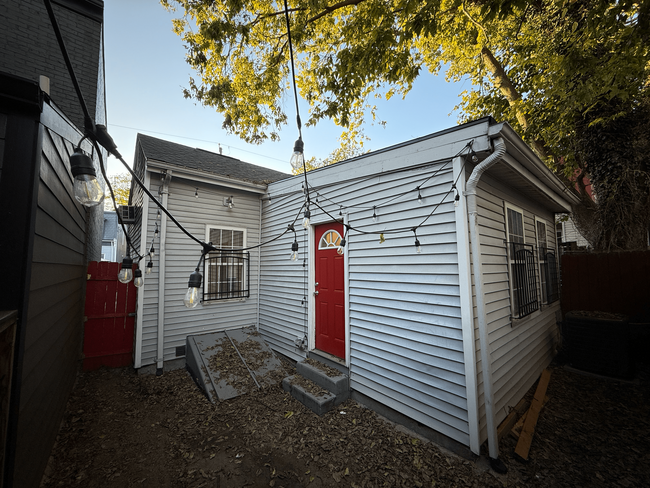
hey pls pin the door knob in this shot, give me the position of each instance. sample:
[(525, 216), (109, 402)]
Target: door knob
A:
[(316, 293), (316, 284)]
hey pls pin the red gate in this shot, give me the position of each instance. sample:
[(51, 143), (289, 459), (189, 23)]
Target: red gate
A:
[(110, 318)]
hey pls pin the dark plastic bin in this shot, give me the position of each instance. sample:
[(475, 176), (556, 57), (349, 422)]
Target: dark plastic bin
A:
[(599, 343)]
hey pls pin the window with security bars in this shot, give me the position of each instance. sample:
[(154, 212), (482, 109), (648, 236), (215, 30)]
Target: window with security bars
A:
[(524, 279), (533, 269), (227, 270), (521, 260)]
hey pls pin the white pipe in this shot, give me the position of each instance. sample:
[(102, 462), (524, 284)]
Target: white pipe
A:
[(467, 309), (486, 362), (160, 349)]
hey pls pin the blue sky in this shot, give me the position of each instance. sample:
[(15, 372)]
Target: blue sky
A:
[(146, 72)]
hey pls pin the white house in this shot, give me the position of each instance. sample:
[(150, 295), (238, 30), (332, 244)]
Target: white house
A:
[(417, 331)]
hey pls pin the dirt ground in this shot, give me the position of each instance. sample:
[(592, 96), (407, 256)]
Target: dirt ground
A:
[(125, 430)]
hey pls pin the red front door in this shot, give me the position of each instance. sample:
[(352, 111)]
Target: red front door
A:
[(329, 290)]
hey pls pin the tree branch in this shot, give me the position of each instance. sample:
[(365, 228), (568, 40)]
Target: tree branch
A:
[(336, 6), (508, 90)]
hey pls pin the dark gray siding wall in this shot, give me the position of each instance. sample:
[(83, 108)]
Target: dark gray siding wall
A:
[(54, 323), (29, 49)]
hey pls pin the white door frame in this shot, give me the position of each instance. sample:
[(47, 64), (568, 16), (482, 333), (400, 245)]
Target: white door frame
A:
[(311, 310)]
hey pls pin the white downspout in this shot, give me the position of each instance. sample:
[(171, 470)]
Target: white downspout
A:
[(259, 267), (486, 362), (160, 349)]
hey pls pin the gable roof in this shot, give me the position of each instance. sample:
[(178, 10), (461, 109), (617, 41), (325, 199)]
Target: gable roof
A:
[(206, 161)]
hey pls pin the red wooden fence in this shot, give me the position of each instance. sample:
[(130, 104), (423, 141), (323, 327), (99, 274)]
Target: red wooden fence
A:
[(607, 282), (110, 318)]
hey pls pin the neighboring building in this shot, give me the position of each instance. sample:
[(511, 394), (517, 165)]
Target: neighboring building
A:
[(46, 237), (112, 250), (408, 326), (569, 235)]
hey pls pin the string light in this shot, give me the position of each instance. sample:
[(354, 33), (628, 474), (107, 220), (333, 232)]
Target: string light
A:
[(87, 190), (99, 134), (341, 247), (149, 267), (196, 193), (126, 272), (191, 299), (298, 157), (138, 280), (294, 246), (374, 214), (418, 247)]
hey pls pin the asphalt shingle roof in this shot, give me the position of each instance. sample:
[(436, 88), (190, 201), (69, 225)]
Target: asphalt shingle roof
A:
[(202, 160)]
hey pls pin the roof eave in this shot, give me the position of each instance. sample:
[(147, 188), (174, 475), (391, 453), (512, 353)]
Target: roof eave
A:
[(207, 177), (526, 157)]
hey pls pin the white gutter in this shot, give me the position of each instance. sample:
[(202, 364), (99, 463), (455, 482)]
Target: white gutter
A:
[(486, 361), (160, 351)]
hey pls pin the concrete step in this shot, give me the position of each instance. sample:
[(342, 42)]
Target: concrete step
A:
[(318, 387), (339, 384), (317, 403)]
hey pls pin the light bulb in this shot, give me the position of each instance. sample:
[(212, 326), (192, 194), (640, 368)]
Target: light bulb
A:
[(420, 199), (152, 252), (374, 215), (149, 267), (158, 215), (126, 273), (305, 221), (418, 247), (138, 281), (87, 190), (341, 248), (196, 193), (298, 158), (294, 251), (191, 299)]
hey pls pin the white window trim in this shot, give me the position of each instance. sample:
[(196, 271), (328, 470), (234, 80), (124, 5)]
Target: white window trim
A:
[(542, 290), (208, 228)]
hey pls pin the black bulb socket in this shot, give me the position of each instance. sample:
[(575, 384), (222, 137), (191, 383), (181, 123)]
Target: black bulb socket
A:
[(127, 263), (196, 279), (294, 246), (81, 164)]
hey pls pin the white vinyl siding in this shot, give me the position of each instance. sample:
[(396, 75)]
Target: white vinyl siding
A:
[(406, 342), (519, 354), (182, 256)]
